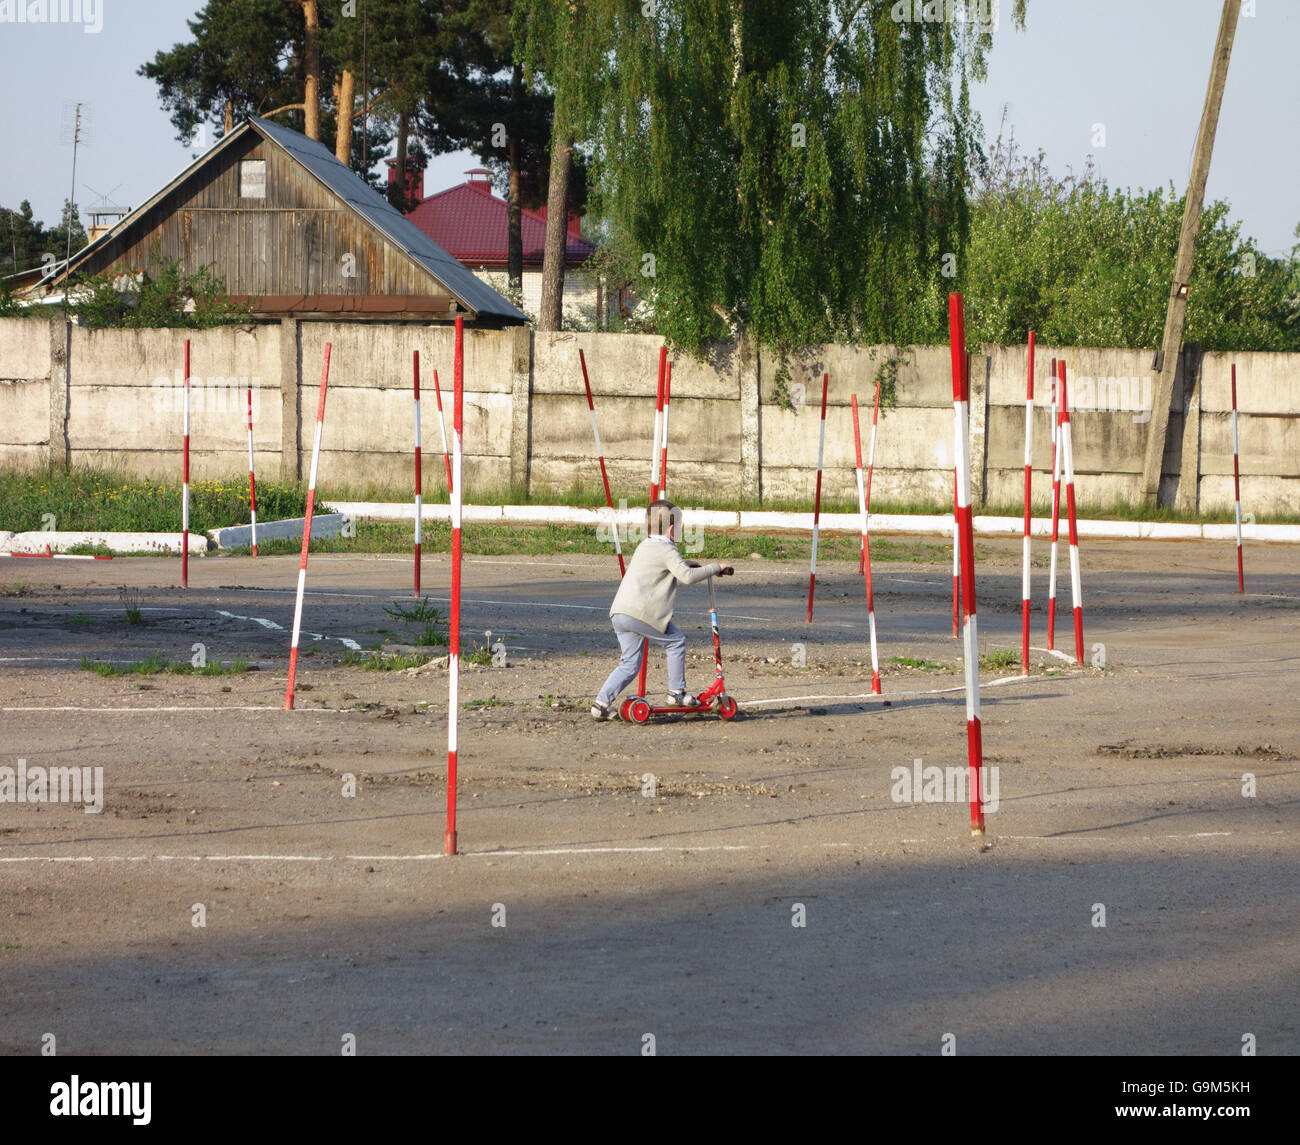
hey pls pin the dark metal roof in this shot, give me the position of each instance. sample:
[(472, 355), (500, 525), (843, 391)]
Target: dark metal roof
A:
[(464, 286)]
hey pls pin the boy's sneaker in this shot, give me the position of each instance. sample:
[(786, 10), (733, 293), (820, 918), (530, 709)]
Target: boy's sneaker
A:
[(683, 700), (601, 711)]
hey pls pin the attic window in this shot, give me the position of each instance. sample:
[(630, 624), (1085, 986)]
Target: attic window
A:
[(252, 179)]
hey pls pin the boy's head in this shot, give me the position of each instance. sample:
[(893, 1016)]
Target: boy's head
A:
[(663, 519)]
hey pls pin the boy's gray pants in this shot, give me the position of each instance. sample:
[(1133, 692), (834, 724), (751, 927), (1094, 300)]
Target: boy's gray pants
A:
[(631, 632)]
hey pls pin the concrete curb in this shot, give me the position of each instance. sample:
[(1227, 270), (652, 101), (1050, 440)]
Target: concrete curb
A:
[(118, 542), (830, 522), (324, 525)]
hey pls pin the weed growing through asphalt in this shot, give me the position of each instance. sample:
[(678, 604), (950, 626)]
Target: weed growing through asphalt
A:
[(131, 603), (920, 665), (994, 661), (424, 614)]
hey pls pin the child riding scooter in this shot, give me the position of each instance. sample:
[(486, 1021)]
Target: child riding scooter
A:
[(643, 611)]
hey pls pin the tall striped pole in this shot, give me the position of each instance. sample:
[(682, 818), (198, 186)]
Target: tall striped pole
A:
[(306, 533), (600, 456), (442, 427), (1056, 508), (1236, 484), (659, 423), (453, 645), (663, 444), (1029, 490), (966, 535), (817, 498), (864, 517), (185, 477), (1067, 454), (252, 488), (419, 477)]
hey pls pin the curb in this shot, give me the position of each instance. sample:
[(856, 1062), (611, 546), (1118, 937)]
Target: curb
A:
[(118, 542), (830, 522), (290, 529)]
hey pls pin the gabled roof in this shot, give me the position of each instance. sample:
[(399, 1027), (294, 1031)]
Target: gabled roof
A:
[(473, 225), (467, 289)]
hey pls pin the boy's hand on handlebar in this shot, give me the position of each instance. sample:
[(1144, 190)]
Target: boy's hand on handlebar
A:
[(727, 570)]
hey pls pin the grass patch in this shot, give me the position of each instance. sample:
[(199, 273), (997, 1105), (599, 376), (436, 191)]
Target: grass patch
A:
[(995, 661), (131, 605), (158, 664), (490, 703), (106, 500), (378, 662), (920, 665)]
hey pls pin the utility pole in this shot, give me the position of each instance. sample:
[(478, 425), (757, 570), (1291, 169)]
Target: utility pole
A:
[(1171, 345)]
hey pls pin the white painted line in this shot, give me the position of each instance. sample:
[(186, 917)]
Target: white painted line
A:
[(229, 708), (894, 695), (271, 625)]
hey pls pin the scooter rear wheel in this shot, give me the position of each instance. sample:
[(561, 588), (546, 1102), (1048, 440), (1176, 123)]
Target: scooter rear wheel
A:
[(623, 707), (727, 707), (638, 710)]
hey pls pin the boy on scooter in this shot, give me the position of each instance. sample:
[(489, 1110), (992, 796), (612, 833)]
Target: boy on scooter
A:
[(643, 609)]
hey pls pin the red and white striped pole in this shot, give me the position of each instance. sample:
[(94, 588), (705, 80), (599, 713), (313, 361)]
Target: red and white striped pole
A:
[(1029, 490), (1056, 508), (442, 427), (1236, 484), (817, 498), (659, 423), (1067, 455), (453, 644), (663, 443), (185, 479), (966, 539), (306, 533), (864, 516), (600, 456), (419, 477), (252, 488)]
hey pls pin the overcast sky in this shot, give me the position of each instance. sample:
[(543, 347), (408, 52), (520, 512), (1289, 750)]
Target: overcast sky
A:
[(1138, 69)]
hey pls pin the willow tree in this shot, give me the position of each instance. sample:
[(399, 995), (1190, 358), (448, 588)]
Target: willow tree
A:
[(795, 168)]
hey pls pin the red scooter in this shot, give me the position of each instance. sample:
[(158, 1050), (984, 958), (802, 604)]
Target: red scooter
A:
[(713, 699)]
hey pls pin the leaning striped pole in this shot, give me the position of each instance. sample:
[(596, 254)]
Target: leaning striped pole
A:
[(966, 533), (453, 644), (659, 423), (1067, 454), (252, 488), (185, 478), (663, 443), (600, 456), (442, 427), (817, 498), (306, 533), (1029, 491), (864, 517), (1056, 507), (1236, 484), (419, 482)]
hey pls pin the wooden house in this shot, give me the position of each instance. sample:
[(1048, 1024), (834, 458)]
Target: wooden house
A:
[(294, 233)]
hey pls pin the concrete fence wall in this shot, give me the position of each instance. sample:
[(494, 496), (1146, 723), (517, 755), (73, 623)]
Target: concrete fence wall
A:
[(113, 399)]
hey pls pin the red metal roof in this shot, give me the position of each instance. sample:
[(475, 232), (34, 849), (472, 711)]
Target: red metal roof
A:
[(472, 224)]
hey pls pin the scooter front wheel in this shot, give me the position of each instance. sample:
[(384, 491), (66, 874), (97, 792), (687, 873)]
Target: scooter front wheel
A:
[(638, 710), (727, 708)]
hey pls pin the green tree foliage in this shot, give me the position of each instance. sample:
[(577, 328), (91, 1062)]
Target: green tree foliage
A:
[(161, 295), (1085, 265), (796, 167), (245, 58)]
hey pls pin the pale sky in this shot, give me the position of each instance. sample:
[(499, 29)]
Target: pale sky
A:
[(1136, 67)]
